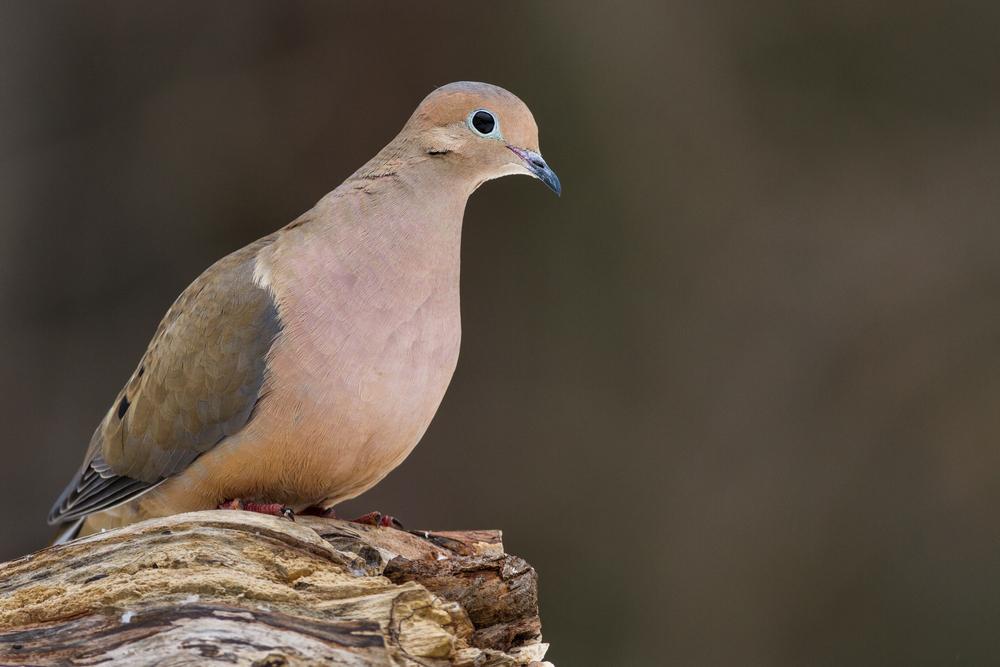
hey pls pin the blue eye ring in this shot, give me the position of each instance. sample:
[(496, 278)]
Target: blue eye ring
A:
[(484, 123)]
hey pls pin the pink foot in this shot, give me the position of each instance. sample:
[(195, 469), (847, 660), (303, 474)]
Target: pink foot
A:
[(273, 509), (378, 519), (370, 519)]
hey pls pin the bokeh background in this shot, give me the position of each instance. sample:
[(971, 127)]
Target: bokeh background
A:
[(735, 395)]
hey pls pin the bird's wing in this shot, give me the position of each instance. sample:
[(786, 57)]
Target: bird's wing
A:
[(197, 383)]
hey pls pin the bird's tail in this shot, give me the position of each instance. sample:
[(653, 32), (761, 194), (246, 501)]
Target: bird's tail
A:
[(69, 532)]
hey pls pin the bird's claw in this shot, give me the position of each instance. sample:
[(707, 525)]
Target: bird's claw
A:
[(379, 519), (271, 509), (370, 519)]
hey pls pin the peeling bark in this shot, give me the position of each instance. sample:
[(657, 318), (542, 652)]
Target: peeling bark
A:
[(230, 587)]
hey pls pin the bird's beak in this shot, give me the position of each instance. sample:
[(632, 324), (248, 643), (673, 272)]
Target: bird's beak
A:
[(536, 165)]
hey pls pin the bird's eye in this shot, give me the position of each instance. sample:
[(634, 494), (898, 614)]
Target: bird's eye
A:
[(483, 122)]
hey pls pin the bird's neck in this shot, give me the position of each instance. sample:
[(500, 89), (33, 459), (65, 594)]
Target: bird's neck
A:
[(409, 164), (405, 196), (400, 211)]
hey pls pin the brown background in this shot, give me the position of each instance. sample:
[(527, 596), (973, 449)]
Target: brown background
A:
[(735, 394)]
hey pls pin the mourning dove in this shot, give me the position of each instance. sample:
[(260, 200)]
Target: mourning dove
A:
[(301, 369)]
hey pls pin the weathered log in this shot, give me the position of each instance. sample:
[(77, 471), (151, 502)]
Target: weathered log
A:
[(230, 587)]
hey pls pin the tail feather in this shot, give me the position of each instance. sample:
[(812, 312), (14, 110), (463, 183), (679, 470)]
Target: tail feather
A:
[(70, 532)]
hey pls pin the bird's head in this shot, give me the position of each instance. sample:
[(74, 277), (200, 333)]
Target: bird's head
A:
[(481, 130)]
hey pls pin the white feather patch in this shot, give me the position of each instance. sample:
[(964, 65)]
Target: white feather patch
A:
[(261, 273)]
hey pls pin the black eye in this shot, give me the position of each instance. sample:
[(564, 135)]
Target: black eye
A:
[(484, 122)]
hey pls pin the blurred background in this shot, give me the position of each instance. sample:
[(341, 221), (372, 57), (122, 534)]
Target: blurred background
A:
[(735, 395)]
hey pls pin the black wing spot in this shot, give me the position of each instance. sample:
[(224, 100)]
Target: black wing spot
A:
[(123, 407), (142, 369)]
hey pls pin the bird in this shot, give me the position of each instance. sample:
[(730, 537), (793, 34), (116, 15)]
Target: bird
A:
[(298, 371)]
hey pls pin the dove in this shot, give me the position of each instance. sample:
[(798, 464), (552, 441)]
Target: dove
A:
[(298, 371)]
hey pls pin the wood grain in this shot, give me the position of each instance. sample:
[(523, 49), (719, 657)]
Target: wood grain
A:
[(230, 587)]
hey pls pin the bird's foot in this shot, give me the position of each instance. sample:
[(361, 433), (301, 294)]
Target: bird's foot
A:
[(378, 519), (272, 509), (370, 519)]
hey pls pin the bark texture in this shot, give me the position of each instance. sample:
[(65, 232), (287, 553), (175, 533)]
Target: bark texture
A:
[(230, 587)]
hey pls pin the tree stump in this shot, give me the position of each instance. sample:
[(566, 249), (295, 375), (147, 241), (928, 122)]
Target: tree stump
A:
[(232, 587)]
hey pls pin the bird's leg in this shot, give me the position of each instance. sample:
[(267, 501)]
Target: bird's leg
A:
[(273, 509), (370, 519)]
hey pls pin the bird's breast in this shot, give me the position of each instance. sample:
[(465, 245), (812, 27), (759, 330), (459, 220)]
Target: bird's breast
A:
[(364, 359)]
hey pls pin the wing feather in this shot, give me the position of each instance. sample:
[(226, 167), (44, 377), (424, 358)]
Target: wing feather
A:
[(198, 382)]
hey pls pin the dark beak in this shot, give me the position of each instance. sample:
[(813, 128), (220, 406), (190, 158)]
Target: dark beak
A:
[(536, 165)]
